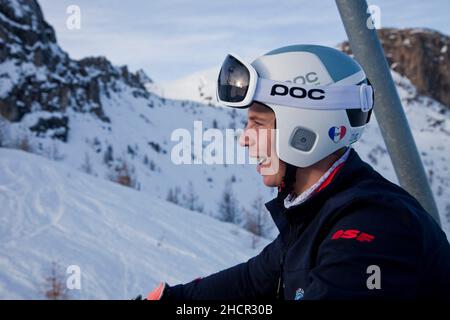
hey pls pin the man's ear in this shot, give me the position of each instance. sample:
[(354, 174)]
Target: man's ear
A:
[(282, 167)]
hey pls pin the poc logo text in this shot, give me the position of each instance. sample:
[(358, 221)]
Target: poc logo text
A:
[(297, 92)]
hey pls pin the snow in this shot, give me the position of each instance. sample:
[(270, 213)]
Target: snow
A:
[(422, 30), (5, 19), (6, 85), (200, 87), (124, 241), (9, 68), (12, 72), (9, 77), (19, 11)]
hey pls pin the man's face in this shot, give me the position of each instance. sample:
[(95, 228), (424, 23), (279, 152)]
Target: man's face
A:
[(259, 137)]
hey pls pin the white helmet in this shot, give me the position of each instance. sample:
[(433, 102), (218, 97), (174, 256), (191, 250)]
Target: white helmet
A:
[(321, 98)]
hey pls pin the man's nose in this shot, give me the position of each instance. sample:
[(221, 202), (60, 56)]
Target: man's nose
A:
[(244, 139)]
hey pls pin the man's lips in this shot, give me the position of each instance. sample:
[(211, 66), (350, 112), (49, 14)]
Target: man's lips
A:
[(263, 162)]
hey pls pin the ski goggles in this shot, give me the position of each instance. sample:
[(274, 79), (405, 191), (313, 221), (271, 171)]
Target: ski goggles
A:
[(239, 85)]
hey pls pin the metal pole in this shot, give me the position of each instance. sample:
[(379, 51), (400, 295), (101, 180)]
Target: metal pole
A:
[(388, 109)]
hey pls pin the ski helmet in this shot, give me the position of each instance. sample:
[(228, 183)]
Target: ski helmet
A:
[(321, 98)]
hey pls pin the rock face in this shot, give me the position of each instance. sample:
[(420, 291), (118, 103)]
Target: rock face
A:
[(37, 75), (421, 55)]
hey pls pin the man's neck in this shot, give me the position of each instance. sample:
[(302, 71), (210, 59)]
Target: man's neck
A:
[(306, 177)]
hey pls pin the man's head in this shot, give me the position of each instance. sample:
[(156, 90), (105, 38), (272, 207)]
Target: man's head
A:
[(317, 98)]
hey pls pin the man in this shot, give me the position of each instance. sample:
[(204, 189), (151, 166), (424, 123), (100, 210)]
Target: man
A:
[(345, 232)]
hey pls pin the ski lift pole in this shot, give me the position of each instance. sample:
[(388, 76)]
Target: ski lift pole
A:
[(388, 109)]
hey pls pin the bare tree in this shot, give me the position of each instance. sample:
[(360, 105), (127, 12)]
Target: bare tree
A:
[(24, 144), (55, 284), (447, 212), (87, 164), (3, 130), (53, 152), (124, 174)]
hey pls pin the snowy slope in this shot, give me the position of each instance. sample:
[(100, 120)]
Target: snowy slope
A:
[(123, 240), (140, 136), (106, 120)]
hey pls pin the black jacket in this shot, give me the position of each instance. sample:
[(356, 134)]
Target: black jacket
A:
[(359, 229)]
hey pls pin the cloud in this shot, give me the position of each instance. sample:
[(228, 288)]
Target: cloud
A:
[(170, 39)]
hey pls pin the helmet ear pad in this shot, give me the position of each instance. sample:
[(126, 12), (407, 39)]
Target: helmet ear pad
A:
[(324, 132)]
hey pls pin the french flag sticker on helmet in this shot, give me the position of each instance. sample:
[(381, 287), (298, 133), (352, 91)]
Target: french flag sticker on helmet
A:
[(337, 133)]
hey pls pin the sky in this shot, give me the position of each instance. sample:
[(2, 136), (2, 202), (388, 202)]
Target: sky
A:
[(172, 39)]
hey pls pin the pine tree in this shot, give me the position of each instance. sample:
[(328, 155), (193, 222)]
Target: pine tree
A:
[(108, 157), (172, 195), (257, 219), (228, 206), (191, 200)]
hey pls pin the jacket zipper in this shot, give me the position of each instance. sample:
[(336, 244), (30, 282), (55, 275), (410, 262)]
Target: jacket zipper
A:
[(283, 256)]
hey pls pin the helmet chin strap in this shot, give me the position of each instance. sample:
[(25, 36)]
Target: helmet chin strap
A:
[(287, 183)]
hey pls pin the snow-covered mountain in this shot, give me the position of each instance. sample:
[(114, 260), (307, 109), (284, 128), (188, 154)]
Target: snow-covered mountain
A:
[(105, 120), (199, 86), (124, 241)]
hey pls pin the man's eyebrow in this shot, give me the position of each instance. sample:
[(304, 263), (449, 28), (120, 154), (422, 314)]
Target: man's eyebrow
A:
[(255, 117)]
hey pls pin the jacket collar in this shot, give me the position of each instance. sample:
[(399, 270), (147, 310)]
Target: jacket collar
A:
[(352, 169)]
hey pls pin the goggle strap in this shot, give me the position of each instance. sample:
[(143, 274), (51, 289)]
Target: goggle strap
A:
[(336, 97)]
